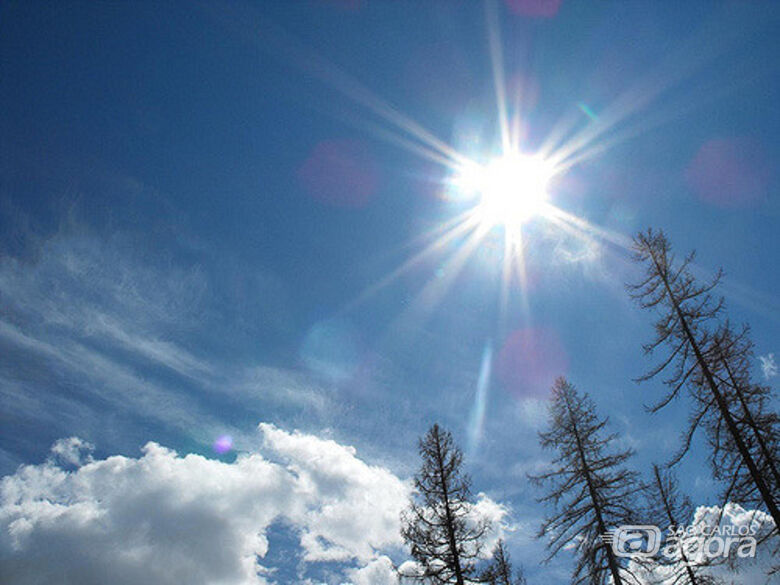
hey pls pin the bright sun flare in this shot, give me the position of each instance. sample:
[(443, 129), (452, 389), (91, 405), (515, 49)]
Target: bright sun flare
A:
[(511, 189)]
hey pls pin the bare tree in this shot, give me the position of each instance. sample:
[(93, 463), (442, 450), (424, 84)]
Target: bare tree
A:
[(668, 507), (588, 486), (689, 325), (440, 528), (731, 355), (500, 571)]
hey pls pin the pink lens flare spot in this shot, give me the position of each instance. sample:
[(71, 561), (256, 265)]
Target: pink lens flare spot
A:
[(729, 172), (534, 8), (530, 361), (341, 173), (223, 444)]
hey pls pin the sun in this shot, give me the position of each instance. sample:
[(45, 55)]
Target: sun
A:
[(510, 189)]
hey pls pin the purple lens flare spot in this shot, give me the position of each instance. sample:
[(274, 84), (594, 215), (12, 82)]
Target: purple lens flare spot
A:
[(223, 444)]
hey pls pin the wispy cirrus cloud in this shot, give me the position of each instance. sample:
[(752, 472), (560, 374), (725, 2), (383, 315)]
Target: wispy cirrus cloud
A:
[(95, 334), (768, 365)]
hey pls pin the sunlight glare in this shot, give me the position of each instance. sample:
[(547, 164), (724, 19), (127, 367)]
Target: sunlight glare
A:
[(511, 189)]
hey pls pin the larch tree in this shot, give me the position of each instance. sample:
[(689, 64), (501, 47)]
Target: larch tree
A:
[(731, 355), (500, 570), (588, 486), (699, 359), (668, 507), (440, 527)]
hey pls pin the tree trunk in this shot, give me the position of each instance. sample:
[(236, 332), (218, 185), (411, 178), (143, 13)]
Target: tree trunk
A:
[(448, 513), (673, 522), (613, 565), (722, 405), (751, 422)]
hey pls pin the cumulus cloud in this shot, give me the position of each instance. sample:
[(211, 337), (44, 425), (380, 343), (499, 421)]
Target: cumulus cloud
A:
[(378, 572), (166, 518), (739, 571), (768, 365), (72, 450), (363, 502), (495, 513)]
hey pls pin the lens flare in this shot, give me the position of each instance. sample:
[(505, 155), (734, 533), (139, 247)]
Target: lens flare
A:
[(514, 189), (477, 421), (223, 444), (530, 360), (511, 189)]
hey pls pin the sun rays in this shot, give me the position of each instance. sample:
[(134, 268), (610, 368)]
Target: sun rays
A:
[(513, 194), (503, 195), (507, 186), (505, 192), (503, 206)]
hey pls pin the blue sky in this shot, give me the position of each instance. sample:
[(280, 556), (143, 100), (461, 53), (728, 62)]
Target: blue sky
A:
[(197, 203)]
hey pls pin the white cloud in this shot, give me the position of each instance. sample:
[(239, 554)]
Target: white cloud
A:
[(575, 250), (72, 450), (486, 509), (768, 365), (164, 518), (363, 502), (747, 571), (378, 572)]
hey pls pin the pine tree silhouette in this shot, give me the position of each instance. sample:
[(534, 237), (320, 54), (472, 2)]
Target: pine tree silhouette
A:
[(589, 487), (700, 349), (439, 527)]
